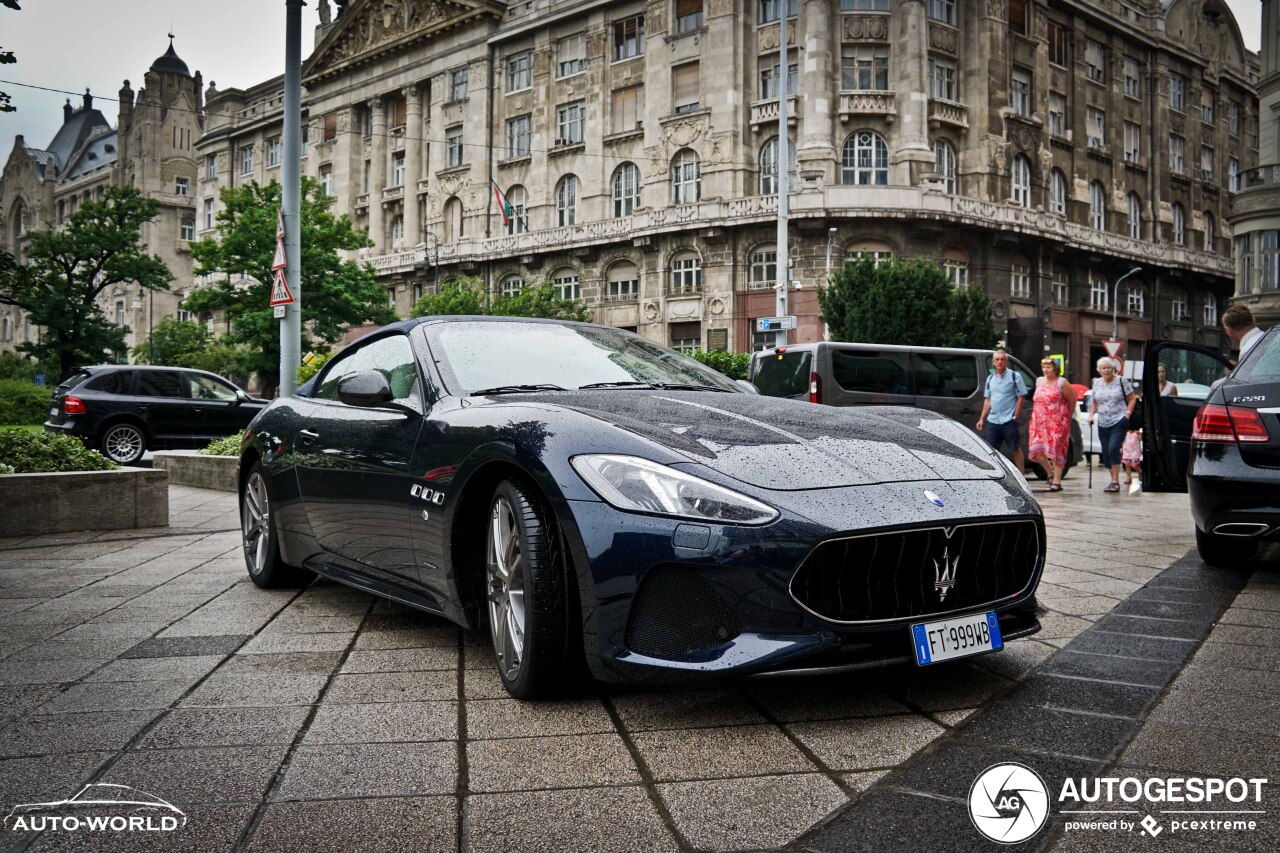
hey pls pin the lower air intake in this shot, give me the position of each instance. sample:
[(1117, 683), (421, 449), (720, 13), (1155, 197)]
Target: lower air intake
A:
[(676, 614)]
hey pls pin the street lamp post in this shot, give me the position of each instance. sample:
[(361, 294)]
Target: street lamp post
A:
[(1115, 303), (831, 233), (431, 244)]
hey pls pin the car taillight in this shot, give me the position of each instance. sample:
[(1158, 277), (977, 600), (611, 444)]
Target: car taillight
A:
[(815, 388), (73, 405), (1223, 424)]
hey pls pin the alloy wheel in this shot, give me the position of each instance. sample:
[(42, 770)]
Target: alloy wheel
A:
[(506, 589), (255, 522), (123, 444)]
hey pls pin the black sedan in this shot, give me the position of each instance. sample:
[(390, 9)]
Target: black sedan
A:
[(592, 496), (1222, 446), (124, 410)]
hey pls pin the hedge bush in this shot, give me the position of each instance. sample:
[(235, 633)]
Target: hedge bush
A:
[(6, 469), (40, 452), (23, 402), (229, 446)]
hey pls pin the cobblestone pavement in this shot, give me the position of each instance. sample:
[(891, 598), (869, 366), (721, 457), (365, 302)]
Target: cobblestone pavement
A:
[(328, 719)]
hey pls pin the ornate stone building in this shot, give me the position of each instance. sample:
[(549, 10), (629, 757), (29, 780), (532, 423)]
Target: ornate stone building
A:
[(1038, 151), (153, 149), (1255, 209)]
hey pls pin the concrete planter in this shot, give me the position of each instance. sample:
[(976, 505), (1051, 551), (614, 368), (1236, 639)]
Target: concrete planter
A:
[(123, 499), (188, 468)]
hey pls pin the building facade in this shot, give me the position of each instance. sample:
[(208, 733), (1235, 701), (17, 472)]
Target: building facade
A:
[(1039, 151), (153, 149), (1255, 209)]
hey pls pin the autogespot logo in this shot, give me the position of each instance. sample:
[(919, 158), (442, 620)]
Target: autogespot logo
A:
[(1008, 803)]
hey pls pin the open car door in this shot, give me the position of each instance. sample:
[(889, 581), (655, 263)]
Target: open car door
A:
[(1168, 420)]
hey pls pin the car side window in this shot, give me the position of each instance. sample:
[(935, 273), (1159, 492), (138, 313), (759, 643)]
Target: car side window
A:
[(872, 372), (207, 388), (941, 375), (116, 382), (392, 356), (159, 383), (338, 367)]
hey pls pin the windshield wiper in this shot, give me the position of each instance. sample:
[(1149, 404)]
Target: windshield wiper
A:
[(676, 386), (617, 385), (516, 389)]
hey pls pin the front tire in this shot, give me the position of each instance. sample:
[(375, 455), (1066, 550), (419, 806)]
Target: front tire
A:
[(259, 537), (123, 443), (526, 587), (1225, 552)]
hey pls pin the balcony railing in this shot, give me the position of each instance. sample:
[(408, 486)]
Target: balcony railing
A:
[(1261, 176), (942, 111), (766, 112), (863, 102)]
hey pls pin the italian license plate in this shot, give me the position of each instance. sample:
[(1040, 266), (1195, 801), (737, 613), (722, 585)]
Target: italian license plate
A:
[(53, 412), (956, 638)]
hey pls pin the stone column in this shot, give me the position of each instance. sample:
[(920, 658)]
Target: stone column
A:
[(912, 155), (816, 150), (412, 163), (377, 175)]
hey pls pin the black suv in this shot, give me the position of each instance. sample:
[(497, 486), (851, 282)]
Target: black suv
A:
[(126, 409)]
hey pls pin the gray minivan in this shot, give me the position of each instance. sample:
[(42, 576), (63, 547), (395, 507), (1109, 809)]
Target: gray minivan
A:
[(947, 381)]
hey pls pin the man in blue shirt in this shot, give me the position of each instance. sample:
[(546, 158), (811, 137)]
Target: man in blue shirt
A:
[(1003, 397)]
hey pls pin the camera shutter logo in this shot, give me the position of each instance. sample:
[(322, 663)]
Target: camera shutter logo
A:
[(1009, 803)]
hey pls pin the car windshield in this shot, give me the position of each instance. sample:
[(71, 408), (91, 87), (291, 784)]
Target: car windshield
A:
[(1262, 363), (479, 355)]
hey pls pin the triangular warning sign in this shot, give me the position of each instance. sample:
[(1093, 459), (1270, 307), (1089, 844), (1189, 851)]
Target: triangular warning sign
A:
[(280, 292), (279, 224), (278, 263)]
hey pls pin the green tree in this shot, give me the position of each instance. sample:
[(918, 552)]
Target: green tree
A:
[(911, 303), (457, 296), (336, 294), (466, 296), (100, 247), (731, 364), (180, 343)]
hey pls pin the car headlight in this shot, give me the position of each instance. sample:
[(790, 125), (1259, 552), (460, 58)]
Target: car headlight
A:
[(1013, 469), (639, 485)]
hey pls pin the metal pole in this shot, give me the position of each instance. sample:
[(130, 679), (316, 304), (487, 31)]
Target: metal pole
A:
[(291, 325), (783, 173), (1115, 301)]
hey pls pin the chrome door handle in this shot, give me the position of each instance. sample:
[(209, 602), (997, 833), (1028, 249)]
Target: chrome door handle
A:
[(307, 436)]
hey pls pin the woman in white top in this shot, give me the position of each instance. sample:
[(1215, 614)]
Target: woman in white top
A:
[(1167, 388)]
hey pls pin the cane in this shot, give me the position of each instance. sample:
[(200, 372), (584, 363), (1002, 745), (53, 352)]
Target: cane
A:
[(1090, 455)]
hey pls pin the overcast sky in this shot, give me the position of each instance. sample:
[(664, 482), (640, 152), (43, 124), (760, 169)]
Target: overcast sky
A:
[(70, 44)]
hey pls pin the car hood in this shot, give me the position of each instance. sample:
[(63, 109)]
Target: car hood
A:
[(789, 445)]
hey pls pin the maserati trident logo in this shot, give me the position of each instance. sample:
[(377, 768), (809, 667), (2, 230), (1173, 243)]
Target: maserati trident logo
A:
[(944, 575), (933, 498)]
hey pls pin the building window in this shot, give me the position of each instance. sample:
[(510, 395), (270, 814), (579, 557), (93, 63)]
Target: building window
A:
[(1179, 225), (210, 167), (1210, 225), (1018, 17), (1206, 163), (1177, 92), (1057, 114), (187, 231), (399, 111), (1020, 87), (180, 186), (688, 15), (120, 314), (520, 71), (768, 10), (569, 122), (306, 146), (1210, 310), (942, 79), (943, 10), (1021, 181), (1206, 106), (1137, 306), (769, 167), (397, 169), (628, 38), (246, 160), (571, 56), (1135, 217), (566, 284), (1096, 128), (518, 221), (1181, 310), (1233, 175), (1095, 61), (1057, 192), (454, 223), (1097, 206), (519, 133), (273, 151), (1020, 278), (876, 250), (686, 87), (511, 286), (1057, 36), (623, 282), (567, 201), (627, 109), (686, 177), (453, 146), (1132, 78), (686, 273), (686, 337), (944, 163), (769, 80), (626, 189), (955, 264), (1233, 118), (763, 269), (1098, 300), (1132, 142), (1061, 289), (1177, 154), (397, 233), (208, 213), (326, 182), (864, 5), (329, 129), (458, 80), (864, 159)]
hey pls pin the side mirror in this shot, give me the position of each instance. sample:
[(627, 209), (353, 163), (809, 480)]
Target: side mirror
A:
[(242, 396), (367, 388), (747, 386)]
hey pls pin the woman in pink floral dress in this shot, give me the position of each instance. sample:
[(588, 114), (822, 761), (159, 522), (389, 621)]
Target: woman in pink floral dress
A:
[(1050, 432)]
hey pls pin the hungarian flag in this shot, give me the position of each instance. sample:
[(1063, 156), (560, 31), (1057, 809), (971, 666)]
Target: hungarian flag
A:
[(504, 206)]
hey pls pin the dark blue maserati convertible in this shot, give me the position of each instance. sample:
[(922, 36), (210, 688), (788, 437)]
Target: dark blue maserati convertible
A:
[(593, 497)]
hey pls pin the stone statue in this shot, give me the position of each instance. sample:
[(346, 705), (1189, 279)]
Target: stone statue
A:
[(342, 7), (325, 15)]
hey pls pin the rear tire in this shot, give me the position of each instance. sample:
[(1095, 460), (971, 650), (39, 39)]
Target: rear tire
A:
[(527, 595), (259, 537), (123, 443), (1225, 552)]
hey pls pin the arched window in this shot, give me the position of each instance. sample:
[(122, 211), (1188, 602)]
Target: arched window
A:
[(188, 231), (769, 167), (944, 163), (686, 272), (1097, 205), (517, 219), (1179, 225), (626, 189), (878, 250), (956, 264), (763, 267), (686, 177), (1135, 216), (566, 282), (1057, 192), (397, 233), (623, 282), (453, 219), (1021, 173), (865, 159), (567, 200), (511, 285), (1210, 310), (1210, 228)]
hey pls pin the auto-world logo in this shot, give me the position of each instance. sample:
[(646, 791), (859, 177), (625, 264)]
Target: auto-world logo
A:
[(100, 807), (1009, 803)]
